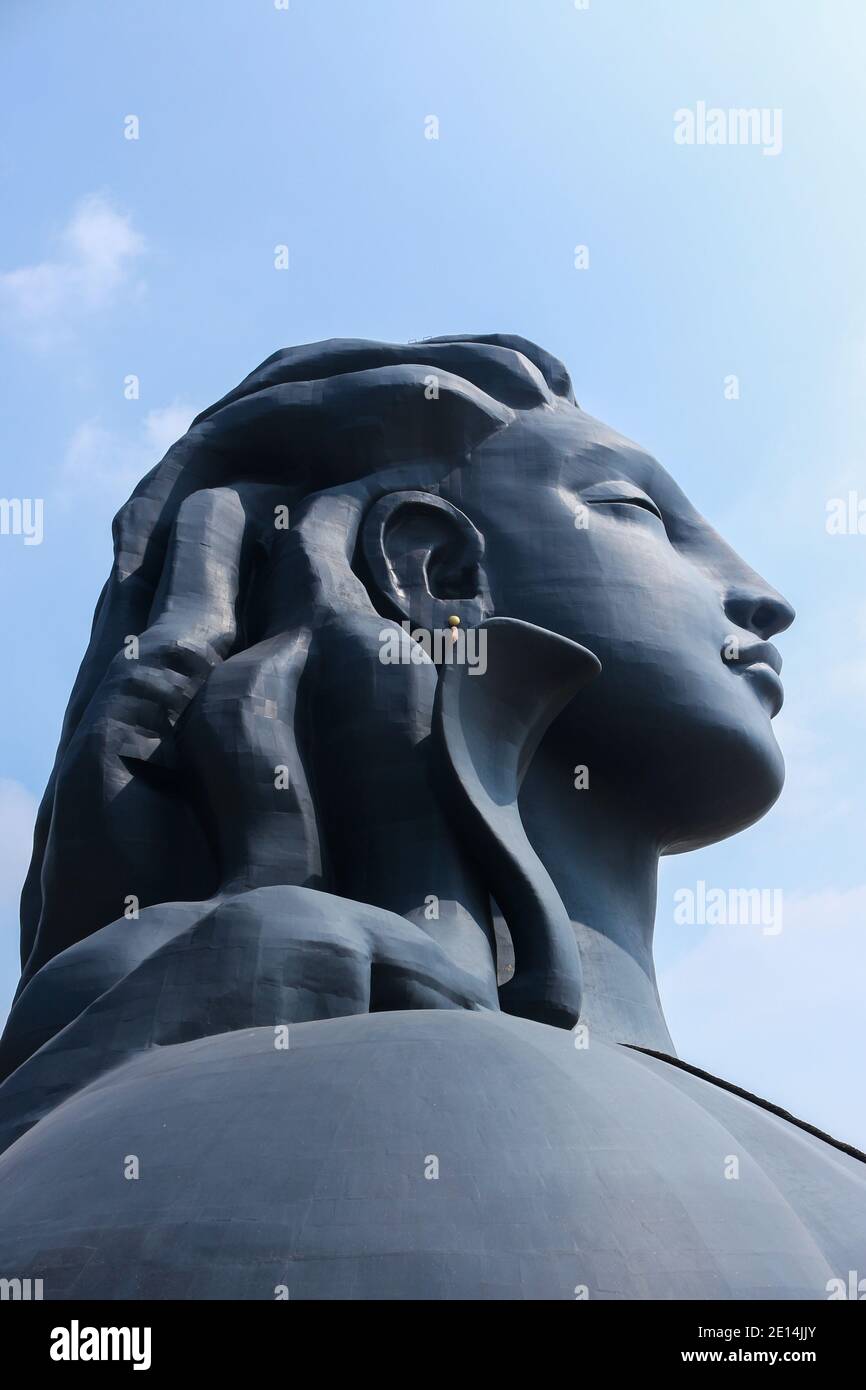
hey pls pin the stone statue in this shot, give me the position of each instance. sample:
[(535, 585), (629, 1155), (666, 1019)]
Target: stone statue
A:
[(337, 973)]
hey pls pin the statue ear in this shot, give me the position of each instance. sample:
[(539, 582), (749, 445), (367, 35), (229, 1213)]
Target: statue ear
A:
[(426, 560)]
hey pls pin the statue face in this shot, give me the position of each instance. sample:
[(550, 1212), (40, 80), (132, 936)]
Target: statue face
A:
[(588, 536)]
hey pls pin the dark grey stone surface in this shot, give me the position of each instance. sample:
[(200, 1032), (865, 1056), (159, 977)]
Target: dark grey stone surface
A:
[(261, 831), (557, 1168)]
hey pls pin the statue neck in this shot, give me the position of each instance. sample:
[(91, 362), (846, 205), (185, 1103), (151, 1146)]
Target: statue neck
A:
[(444, 758), (605, 869)]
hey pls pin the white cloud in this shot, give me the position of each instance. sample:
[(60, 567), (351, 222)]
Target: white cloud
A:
[(97, 249), (17, 817), (815, 771), (18, 808), (847, 680), (165, 425), (108, 462), (781, 1015)]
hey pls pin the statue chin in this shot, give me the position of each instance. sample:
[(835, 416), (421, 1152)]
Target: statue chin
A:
[(718, 782), (743, 782), (428, 1154)]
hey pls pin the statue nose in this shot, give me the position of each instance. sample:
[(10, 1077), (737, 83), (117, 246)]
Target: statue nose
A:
[(762, 611)]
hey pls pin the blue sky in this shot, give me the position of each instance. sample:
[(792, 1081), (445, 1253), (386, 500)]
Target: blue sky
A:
[(305, 127)]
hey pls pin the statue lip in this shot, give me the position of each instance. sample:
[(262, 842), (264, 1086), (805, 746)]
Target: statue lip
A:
[(767, 684), (761, 662), (761, 653)]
